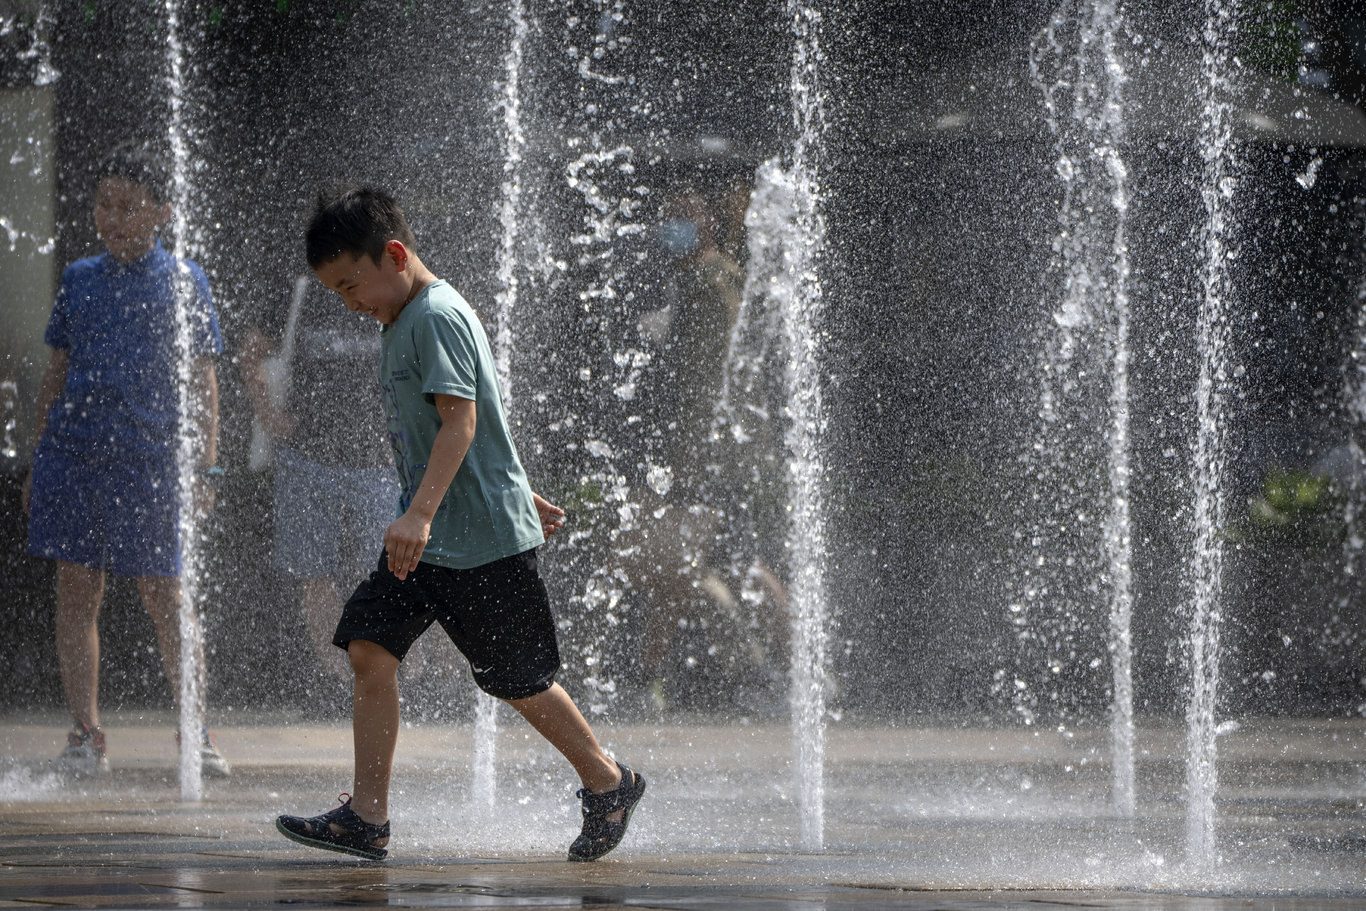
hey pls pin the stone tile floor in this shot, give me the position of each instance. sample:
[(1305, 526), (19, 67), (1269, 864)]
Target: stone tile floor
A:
[(913, 818)]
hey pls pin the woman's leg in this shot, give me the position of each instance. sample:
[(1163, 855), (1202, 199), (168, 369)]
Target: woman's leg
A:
[(80, 590), (161, 596)]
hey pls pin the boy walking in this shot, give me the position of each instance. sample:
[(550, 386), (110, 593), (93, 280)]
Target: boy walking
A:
[(462, 551), (103, 494)]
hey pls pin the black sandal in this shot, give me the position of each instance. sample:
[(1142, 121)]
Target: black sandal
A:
[(600, 834), (358, 838)]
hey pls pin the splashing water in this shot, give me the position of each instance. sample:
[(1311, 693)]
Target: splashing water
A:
[(484, 790), (43, 246), (28, 152), (1092, 255), (191, 696), (1354, 390), (610, 214), (799, 303), (1311, 173), (39, 51), (510, 202), (484, 778), (9, 404), (1212, 343), (1118, 532), (781, 277), (1052, 594), (1104, 25)]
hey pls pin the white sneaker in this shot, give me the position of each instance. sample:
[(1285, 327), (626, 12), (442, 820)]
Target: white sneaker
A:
[(212, 763), (84, 754)]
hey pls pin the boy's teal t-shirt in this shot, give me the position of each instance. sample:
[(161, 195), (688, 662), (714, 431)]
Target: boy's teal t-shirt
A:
[(437, 346)]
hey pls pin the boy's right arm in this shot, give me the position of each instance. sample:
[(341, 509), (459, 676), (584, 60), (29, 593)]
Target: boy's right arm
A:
[(406, 537), (54, 380)]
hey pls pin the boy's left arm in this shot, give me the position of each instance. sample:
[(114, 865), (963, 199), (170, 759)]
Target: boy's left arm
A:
[(550, 515), (406, 536)]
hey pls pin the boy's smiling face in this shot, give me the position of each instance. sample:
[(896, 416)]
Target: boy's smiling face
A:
[(127, 217), (380, 289)]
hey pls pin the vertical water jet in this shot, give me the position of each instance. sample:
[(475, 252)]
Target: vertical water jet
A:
[(1217, 187), (191, 695), (801, 316), (484, 789), (1105, 23), (598, 167), (1092, 255)]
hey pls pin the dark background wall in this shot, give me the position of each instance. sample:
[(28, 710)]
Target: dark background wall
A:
[(937, 276)]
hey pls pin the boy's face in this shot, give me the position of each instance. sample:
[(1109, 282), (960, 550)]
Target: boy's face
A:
[(379, 289), (127, 217)]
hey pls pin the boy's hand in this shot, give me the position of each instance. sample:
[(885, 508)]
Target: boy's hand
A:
[(405, 539), (552, 517)]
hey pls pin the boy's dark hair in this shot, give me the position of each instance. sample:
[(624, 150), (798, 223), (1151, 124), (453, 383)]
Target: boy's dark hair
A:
[(360, 222), (137, 162)]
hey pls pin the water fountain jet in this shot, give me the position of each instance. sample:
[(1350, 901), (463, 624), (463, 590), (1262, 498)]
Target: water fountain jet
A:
[(800, 316), (1218, 184), (191, 696), (1093, 258)]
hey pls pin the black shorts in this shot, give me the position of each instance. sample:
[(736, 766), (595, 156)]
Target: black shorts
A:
[(497, 614)]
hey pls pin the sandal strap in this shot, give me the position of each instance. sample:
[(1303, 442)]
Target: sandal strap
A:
[(350, 820), (601, 834), (610, 801)]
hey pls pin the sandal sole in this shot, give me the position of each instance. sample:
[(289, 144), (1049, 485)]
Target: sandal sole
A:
[(372, 854), (625, 824)]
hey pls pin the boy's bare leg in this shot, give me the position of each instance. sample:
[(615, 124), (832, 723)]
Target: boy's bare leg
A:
[(556, 718), (161, 597), (374, 727), (79, 593), (322, 607)]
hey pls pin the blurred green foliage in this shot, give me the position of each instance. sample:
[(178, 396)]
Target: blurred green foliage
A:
[(1291, 496), (1296, 510), (582, 503)]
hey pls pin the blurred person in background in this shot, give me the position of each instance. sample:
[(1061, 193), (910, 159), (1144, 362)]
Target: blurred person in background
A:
[(309, 370), (104, 491)]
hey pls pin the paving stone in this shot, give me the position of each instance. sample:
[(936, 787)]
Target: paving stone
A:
[(914, 818)]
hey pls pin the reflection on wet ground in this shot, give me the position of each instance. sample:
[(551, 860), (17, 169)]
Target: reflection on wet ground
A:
[(934, 818)]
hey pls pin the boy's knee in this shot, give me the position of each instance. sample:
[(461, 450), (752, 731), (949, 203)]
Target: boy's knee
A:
[(370, 660)]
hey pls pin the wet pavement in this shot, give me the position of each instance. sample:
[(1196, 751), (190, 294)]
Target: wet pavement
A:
[(914, 818)]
